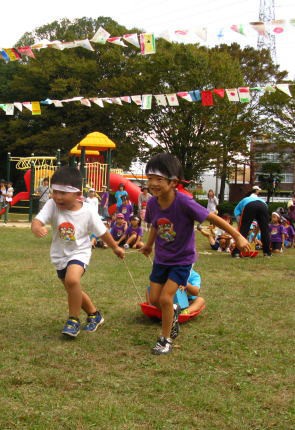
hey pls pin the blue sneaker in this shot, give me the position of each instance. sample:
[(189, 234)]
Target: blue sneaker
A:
[(93, 322), (71, 328)]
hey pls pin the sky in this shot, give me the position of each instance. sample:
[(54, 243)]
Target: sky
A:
[(156, 16)]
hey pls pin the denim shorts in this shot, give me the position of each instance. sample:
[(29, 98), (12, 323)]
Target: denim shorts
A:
[(62, 273), (161, 273)]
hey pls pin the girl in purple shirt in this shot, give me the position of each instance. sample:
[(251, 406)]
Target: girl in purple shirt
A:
[(134, 234), (172, 215), (277, 233)]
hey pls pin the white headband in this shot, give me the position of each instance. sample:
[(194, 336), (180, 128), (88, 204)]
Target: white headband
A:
[(65, 188), (158, 173)]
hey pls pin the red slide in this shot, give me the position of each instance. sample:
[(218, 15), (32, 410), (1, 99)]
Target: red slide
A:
[(23, 195), (132, 189)]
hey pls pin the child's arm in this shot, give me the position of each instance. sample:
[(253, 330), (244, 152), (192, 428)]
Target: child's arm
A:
[(148, 247), (109, 240), (38, 228), (241, 242)]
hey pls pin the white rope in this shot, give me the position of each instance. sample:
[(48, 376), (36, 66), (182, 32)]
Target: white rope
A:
[(132, 279)]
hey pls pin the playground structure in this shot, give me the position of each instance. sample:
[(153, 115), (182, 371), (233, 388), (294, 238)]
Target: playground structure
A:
[(92, 155)]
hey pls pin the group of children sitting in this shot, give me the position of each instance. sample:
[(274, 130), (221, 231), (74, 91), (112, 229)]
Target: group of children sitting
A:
[(282, 235)]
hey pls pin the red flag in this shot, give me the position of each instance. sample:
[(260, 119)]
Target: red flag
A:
[(26, 50), (219, 92), (207, 98)]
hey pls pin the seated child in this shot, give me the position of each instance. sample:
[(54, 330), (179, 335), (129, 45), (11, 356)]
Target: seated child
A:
[(192, 290), (134, 234), (219, 240), (254, 236), (118, 230), (289, 233)]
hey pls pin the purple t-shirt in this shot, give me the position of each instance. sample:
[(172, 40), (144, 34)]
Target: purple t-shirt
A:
[(126, 210), (175, 241), (118, 231), (289, 232), (137, 230), (276, 231), (104, 198)]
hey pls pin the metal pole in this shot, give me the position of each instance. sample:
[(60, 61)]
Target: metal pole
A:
[(31, 191), (8, 179)]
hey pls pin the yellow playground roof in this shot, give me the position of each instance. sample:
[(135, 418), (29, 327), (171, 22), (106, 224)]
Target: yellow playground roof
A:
[(77, 152), (96, 140)]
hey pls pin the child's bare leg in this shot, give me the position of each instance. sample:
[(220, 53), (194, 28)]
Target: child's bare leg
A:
[(196, 305), (76, 297), (166, 304), (154, 295)]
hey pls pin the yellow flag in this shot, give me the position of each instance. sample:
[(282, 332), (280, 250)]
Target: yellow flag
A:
[(147, 43), (36, 110)]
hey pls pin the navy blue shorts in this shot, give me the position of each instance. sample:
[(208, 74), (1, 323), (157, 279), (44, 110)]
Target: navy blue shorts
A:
[(62, 273), (161, 273)]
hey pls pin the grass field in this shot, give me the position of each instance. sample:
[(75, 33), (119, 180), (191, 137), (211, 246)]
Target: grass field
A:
[(232, 368)]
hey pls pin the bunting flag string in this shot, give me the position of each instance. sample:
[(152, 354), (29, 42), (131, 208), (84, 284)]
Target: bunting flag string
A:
[(145, 101), (146, 42)]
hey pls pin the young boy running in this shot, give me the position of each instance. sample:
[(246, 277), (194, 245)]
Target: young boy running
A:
[(71, 221), (172, 215)]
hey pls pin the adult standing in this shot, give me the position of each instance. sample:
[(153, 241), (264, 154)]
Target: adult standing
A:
[(212, 202), (291, 210), (43, 192), (143, 198), (251, 208)]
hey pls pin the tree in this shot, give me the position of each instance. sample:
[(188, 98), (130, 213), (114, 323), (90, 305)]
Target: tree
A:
[(270, 178), (201, 136)]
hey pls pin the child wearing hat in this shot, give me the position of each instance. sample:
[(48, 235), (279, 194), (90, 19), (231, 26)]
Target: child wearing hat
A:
[(118, 230), (277, 233)]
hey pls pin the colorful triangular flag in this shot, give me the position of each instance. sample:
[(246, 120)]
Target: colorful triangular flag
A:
[(284, 88), (101, 36), (161, 100), (36, 109), (232, 94), (172, 99), (146, 101), (244, 94), (207, 98), (137, 100), (185, 95), (147, 43), (238, 28), (117, 40), (132, 38), (219, 92)]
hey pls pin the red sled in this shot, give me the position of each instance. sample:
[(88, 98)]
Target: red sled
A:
[(250, 254), (153, 312)]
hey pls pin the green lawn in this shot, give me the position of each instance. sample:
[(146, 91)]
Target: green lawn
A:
[(231, 368)]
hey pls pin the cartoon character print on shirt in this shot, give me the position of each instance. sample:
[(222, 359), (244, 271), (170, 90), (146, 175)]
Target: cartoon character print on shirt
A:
[(67, 231), (274, 230), (165, 229)]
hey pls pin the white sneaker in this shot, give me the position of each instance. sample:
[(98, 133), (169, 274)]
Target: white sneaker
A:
[(126, 246), (163, 346)]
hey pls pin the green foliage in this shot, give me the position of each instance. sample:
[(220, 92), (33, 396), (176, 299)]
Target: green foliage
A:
[(200, 136)]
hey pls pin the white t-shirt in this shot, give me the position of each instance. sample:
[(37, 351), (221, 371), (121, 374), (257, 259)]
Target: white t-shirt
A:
[(93, 201), (70, 232)]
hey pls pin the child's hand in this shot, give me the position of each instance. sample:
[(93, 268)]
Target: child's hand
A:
[(40, 231), (146, 250), (119, 252), (242, 243)]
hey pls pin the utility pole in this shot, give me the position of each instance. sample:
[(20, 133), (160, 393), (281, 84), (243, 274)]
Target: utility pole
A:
[(267, 15)]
